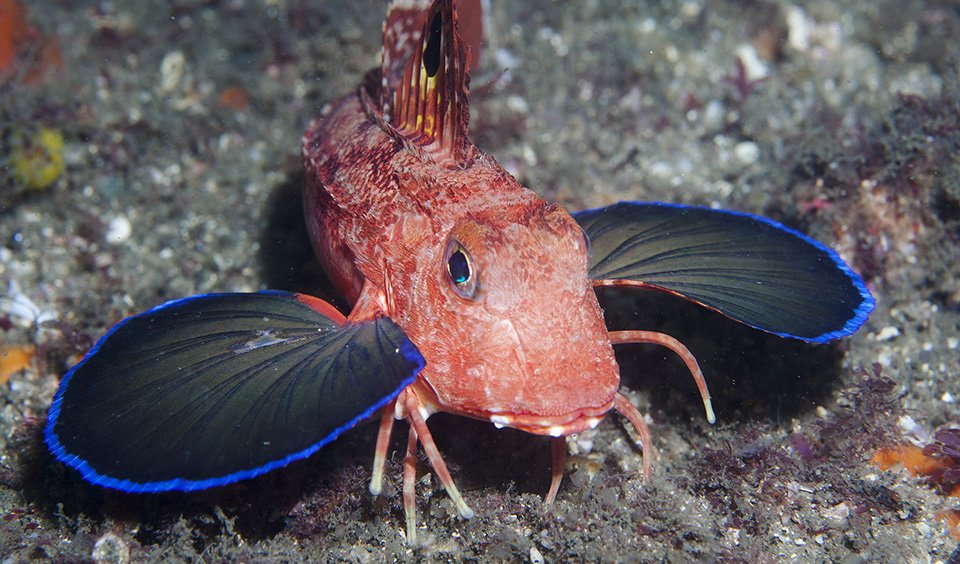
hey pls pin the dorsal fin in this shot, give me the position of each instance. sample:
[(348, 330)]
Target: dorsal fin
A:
[(425, 73)]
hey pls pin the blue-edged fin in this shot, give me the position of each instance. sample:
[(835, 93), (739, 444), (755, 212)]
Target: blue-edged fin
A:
[(749, 268), (425, 79), (208, 390)]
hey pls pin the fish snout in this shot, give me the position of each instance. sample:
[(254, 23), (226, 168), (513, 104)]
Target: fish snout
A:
[(565, 376)]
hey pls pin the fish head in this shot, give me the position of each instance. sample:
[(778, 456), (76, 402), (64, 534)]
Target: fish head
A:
[(509, 324)]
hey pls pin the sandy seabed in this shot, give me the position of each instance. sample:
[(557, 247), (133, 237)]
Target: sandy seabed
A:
[(182, 174)]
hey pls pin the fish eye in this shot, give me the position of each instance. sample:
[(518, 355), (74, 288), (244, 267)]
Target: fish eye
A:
[(460, 270)]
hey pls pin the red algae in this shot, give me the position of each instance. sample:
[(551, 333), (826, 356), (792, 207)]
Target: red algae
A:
[(16, 36), (14, 31)]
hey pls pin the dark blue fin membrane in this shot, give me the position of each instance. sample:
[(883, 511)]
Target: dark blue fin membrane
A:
[(749, 268), (212, 389)]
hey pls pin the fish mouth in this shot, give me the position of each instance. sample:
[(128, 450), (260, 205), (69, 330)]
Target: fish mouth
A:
[(553, 425)]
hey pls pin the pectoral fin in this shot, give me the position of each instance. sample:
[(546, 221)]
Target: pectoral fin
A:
[(208, 390), (749, 268)]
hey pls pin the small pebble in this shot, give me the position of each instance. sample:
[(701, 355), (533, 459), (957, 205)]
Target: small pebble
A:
[(798, 29), (837, 515), (887, 333), (747, 152), (118, 230), (518, 104), (110, 549), (732, 536), (171, 71), (753, 65)]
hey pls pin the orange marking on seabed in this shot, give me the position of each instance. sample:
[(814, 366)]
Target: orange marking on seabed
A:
[(15, 34), (13, 359), (909, 457), (951, 517), (14, 31), (50, 58), (914, 461), (235, 98)]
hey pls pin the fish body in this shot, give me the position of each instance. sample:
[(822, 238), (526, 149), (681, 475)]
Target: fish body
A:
[(528, 347)]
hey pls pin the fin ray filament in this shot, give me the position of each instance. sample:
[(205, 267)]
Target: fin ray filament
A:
[(425, 101)]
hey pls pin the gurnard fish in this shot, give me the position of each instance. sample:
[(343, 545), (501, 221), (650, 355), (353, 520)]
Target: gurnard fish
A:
[(470, 295)]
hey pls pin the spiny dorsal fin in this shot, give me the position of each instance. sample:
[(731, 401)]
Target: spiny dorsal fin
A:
[(425, 74)]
